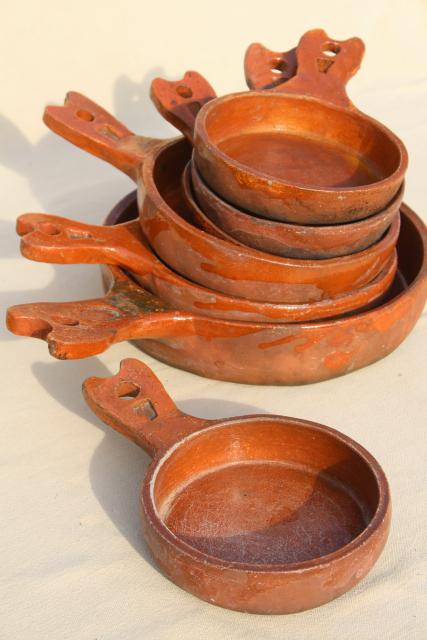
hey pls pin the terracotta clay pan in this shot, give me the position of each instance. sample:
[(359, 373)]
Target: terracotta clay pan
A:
[(294, 149), (282, 238), (261, 513), (245, 352), (47, 238), (301, 152)]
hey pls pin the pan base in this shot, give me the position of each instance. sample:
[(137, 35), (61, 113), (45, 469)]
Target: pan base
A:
[(310, 162), (265, 513)]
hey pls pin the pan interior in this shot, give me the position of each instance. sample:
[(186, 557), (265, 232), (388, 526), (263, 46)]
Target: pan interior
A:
[(265, 491), (300, 160), (302, 141)]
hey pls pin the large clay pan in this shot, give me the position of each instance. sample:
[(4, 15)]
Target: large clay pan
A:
[(214, 512), (245, 352)]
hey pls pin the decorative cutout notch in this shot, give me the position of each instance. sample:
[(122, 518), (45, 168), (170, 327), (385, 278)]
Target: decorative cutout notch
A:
[(146, 409), (324, 64)]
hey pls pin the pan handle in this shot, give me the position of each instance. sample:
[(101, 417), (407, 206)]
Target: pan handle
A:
[(88, 126), (180, 101), (265, 69), (52, 239), (85, 328), (324, 66), (135, 403)]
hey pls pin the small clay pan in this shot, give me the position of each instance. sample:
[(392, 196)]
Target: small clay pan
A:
[(286, 239), (260, 513), (301, 152)]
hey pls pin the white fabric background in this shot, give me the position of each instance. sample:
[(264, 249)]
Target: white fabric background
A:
[(73, 561)]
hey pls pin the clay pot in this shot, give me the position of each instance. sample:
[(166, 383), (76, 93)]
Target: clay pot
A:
[(285, 239), (248, 352), (214, 512), (301, 152)]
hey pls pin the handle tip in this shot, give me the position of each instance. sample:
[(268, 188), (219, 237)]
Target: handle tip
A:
[(179, 101), (21, 321), (265, 69), (129, 367), (124, 396), (24, 224), (66, 327)]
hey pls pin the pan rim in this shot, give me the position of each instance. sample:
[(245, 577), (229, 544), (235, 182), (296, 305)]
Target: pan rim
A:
[(152, 194), (201, 132), (274, 223), (313, 325)]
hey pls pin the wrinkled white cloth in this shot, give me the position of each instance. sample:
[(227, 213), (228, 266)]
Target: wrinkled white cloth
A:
[(73, 560)]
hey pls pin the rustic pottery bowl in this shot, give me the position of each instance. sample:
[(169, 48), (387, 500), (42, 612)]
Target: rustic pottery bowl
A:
[(260, 513), (301, 152)]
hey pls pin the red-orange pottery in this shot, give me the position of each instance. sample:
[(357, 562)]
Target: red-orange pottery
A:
[(286, 239), (47, 238), (301, 152), (246, 352), (261, 513), (157, 167)]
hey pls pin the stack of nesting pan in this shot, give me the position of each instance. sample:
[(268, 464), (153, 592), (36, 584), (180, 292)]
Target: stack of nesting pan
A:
[(268, 230)]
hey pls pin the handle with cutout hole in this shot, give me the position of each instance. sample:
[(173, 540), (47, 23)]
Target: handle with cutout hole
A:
[(180, 101), (53, 239), (135, 403), (324, 66), (265, 69), (88, 126), (80, 329)]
